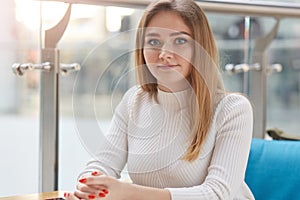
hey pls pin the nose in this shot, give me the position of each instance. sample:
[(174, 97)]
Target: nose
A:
[(165, 53)]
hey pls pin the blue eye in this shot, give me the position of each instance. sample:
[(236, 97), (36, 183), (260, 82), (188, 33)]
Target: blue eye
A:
[(180, 40), (154, 42)]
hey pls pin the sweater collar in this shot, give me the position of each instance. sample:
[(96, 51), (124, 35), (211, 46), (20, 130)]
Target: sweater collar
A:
[(174, 100)]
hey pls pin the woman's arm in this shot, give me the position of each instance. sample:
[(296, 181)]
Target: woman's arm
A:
[(138, 192), (112, 150), (234, 125)]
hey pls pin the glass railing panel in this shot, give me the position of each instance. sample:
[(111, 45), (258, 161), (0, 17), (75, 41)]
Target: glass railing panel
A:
[(234, 46), (283, 97), (19, 102), (102, 42)]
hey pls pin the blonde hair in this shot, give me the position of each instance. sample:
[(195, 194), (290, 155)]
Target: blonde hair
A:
[(204, 77)]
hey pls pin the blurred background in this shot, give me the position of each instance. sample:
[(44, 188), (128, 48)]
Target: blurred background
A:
[(101, 40)]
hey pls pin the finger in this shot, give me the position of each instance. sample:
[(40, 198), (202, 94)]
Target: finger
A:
[(96, 173), (86, 175), (94, 186), (98, 187), (99, 193), (85, 188), (82, 195), (103, 193), (83, 177), (70, 196), (101, 180), (89, 188)]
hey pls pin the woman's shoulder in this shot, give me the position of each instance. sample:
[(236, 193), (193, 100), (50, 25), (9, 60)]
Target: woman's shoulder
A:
[(134, 92), (234, 112), (134, 95), (129, 99), (230, 101), (232, 98)]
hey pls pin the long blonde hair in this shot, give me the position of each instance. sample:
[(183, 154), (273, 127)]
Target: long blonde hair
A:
[(204, 77)]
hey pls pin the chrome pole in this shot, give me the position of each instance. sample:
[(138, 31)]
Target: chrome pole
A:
[(49, 108)]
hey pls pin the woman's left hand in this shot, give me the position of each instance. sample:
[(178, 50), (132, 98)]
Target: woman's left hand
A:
[(104, 187)]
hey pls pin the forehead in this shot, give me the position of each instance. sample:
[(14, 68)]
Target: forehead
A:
[(167, 21)]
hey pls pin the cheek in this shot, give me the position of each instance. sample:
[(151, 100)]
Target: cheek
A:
[(150, 56), (186, 54), (186, 58)]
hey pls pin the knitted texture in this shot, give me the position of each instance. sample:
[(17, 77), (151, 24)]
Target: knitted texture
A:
[(151, 138)]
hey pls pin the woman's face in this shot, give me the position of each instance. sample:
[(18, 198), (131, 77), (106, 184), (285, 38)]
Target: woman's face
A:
[(168, 50)]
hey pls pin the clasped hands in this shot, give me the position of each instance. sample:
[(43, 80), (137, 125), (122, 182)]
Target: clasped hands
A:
[(97, 185)]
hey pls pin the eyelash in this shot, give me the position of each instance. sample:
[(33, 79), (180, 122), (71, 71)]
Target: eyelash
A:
[(151, 41), (180, 39), (156, 42)]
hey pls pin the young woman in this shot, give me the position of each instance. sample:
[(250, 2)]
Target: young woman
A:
[(181, 136)]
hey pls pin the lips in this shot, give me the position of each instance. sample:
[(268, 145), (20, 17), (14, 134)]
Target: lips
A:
[(167, 66)]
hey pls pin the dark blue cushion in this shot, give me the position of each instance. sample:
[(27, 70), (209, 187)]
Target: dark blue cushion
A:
[(273, 170)]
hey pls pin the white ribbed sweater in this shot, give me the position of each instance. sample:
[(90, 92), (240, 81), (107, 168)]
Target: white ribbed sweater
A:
[(152, 137)]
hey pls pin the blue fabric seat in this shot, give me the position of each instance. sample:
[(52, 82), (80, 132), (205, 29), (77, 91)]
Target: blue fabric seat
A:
[(273, 170)]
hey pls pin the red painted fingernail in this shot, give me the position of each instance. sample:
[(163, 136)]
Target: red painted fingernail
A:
[(83, 180), (69, 194), (91, 196), (65, 194), (101, 194), (95, 173), (105, 191)]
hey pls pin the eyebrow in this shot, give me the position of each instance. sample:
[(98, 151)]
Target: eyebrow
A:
[(172, 34), (180, 33)]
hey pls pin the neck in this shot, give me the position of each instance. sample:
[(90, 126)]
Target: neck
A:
[(174, 87)]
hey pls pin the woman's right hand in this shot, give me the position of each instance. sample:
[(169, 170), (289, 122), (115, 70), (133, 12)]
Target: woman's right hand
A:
[(85, 191)]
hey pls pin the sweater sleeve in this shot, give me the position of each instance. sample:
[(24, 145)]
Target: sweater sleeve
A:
[(111, 156), (234, 125)]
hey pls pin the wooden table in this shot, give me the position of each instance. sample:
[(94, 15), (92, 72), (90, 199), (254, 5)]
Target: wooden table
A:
[(40, 196)]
